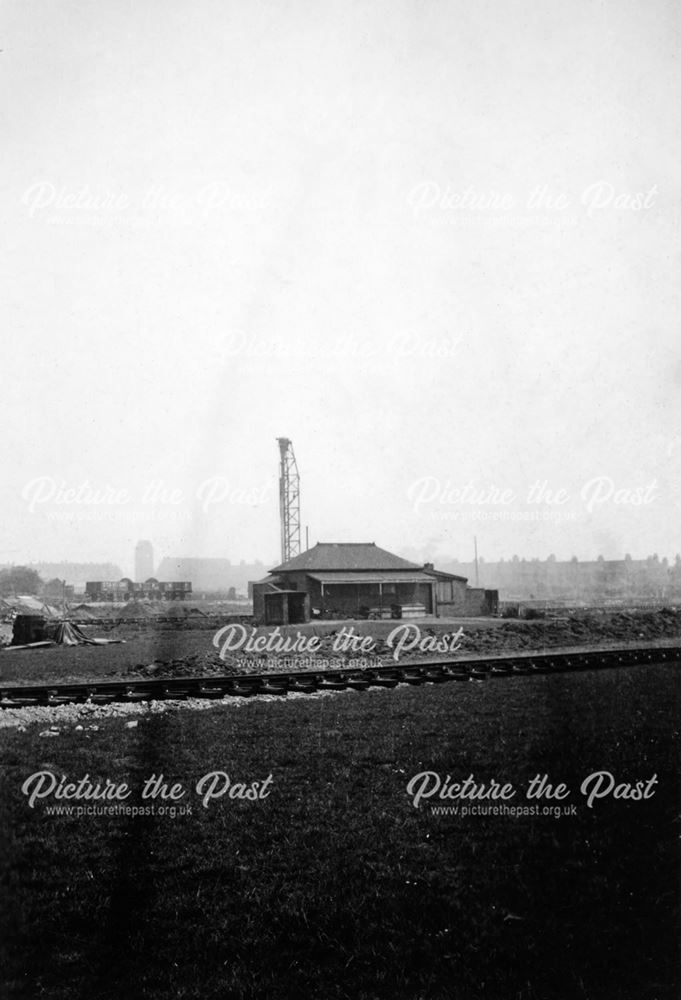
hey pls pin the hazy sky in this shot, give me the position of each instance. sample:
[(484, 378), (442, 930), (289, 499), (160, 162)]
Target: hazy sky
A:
[(436, 244)]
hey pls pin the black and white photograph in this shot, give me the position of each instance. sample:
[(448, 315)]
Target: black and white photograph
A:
[(340, 510)]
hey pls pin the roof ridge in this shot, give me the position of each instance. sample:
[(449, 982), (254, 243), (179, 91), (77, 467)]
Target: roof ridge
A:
[(363, 556)]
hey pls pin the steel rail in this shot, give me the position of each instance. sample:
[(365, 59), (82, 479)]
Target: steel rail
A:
[(423, 671)]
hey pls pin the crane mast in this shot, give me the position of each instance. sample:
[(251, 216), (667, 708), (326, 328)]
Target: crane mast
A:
[(289, 500)]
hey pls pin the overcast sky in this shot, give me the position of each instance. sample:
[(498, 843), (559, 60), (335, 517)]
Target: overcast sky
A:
[(436, 244)]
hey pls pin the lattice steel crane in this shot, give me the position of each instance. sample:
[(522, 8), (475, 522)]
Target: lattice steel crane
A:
[(289, 500)]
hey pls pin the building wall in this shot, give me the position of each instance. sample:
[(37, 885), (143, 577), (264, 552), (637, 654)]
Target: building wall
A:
[(286, 608), (144, 561), (259, 590), (481, 602), (451, 597), (350, 599)]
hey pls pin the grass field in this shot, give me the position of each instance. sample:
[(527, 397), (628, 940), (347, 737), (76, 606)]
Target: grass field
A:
[(334, 886)]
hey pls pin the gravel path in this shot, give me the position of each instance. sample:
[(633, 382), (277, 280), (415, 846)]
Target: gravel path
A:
[(60, 719)]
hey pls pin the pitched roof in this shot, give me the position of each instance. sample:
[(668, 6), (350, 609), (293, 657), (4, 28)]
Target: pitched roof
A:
[(371, 576), (345, 556), (441, 575)]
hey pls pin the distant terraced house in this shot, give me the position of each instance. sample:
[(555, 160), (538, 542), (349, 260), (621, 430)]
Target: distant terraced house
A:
[(340, 580)]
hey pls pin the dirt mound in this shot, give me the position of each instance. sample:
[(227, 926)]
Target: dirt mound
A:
[(136, 609)]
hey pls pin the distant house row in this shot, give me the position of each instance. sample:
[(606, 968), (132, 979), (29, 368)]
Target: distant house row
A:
[(211, 575), (594, 579)]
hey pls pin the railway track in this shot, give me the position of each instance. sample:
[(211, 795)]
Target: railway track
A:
[(430, 671)]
